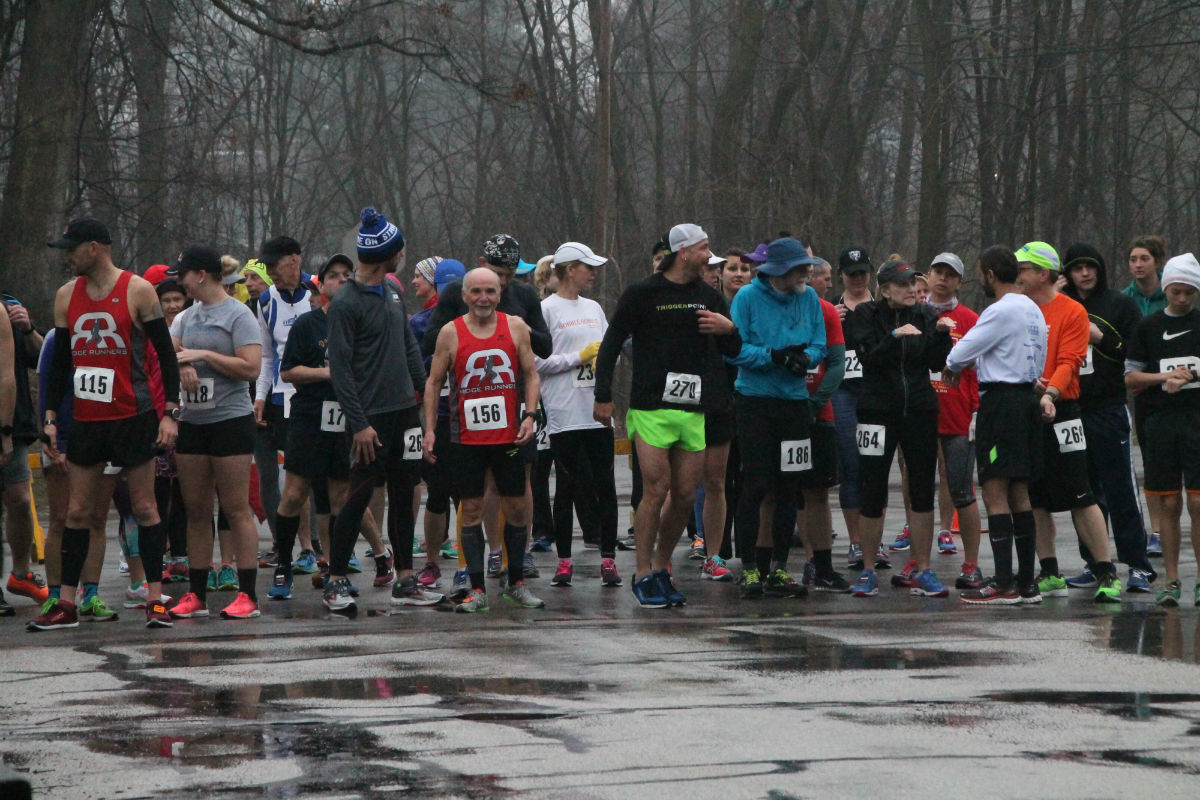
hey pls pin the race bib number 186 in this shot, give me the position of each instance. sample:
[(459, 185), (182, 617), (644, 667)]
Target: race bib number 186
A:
[(795, 455)]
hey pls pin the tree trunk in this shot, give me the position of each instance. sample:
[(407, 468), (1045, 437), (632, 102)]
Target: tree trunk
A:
[(151, 22)]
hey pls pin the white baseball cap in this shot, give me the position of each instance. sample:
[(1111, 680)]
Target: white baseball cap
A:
[(575, 251), (685, 235)]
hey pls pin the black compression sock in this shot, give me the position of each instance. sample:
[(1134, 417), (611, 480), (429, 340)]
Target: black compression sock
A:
[(74, 552), (286, 529), (246, 579), (762, 561), (514, 546), (1104, 568), (1000, 533), (1050, 566), (1025, 539), (152, 539), (473, 545), (823, 561), (198, 582)]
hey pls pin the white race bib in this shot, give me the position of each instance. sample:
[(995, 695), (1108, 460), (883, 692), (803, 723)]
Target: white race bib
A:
[(445, 387), (287, 406), (94, 383), (795, 455), (871, 439), (485, 414), (203, 397), (332, 418), (1070, 436), (543, 439), (682, 389), (1168, 364), (414, 439), (853, 366), (1088, 367), (935, 377), (585, 377)]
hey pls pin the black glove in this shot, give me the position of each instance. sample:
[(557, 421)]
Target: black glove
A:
[(794, 359)]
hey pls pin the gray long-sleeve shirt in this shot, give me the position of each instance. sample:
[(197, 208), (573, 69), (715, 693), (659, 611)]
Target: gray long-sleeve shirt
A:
[(374, 360)]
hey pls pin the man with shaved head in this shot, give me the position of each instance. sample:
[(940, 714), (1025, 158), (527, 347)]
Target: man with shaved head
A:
[(484, 352)]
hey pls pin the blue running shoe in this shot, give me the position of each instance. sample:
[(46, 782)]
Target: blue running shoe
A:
[(927, 585), (867, 584), (494, 563), (901, 543), (461, 586), (281, 584), (1139, 581), (1154, 545), (354, 566), (667, 587), (542, 545), (1084, 580), (648, 592), (306, 564)]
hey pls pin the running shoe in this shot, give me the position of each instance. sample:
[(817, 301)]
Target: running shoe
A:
[(589, 544), (867, 585), (667, 587), (212, 580), (268, 559), (882, 559), (306, 564), (1052, 585), (227, 579), (7, 610), (904, 579), (749, 584), (475, 602), (1084, 580), (352, 565), (834, 582), (810, 573), (123, 567), (337, 596), (714, 569), (1139, 581), (58, 615), (528, 568), (563, 573), (407, 592), (460, 587), (520, 594), (321, 576), (430, 575), (418, 548), (352, 588), (854, 556), (96, 610), (927, 584), (1109, 590), (157, 616), (901, 542), (281, 584), (176, 571), (385, 575), (648, 592), (449, 549), (697, 552), (137, 596), (1170, 595), (971, 577), (29, 585), (608, 573), (541, 545), (494, 562), (991, 593), (946, 543), (1030, 594), (1154, 545), (781, 584), (189, 606), (629, 543)]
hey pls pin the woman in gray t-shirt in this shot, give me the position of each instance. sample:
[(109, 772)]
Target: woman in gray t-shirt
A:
[(219, 348)]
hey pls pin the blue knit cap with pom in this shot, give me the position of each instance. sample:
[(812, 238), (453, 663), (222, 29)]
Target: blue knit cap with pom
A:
[(378, 239)]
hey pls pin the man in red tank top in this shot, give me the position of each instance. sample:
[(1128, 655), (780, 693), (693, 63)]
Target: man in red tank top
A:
[(106, 320), (483, 351)]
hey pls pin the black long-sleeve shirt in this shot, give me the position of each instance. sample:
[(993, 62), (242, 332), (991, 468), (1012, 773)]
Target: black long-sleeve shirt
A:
[(896, 368), (660, 315)]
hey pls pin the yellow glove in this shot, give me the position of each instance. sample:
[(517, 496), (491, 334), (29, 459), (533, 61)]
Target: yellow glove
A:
[(588, 354)]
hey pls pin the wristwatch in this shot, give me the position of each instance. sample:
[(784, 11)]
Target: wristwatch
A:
[(529, 415), (176, 413)]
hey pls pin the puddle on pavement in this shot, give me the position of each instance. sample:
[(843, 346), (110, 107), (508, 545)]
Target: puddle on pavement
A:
[(1128, 705), (1154, 632), (803, 652), (1130, 757)]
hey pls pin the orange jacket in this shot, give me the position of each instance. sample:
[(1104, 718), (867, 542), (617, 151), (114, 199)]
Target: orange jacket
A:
[(1068, 344)]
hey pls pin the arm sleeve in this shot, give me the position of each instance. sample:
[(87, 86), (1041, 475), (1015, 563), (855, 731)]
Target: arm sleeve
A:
[(341, 367), (610, 346), (60, 369), (266, 374), (938, 347), (160, 336), (835, 370), (416, 362)]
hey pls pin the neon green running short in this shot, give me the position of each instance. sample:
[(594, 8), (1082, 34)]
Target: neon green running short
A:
[(667, 427)]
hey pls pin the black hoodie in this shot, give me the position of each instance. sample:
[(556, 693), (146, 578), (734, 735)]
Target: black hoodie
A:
[(1102, 377)]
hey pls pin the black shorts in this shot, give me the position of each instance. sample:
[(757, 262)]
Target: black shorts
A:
[(400, 450), (229, 437), (439, 488), (124, 442), (1064, 484), (471, 462), (719, 428), (1008, 436), (1171, 450), (824, 472), (313, 453), (275, 429), (770, 434)]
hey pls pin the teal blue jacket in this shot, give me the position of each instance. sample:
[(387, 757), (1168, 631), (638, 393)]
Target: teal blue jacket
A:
[(768, 320)]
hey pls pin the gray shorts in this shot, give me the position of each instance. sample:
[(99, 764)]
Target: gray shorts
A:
[(17, 469), (959, 454)]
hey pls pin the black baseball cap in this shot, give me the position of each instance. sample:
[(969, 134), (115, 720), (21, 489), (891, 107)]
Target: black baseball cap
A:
[(336, 258), (854, 259), (197, 257), (279, 247), (79, 231)]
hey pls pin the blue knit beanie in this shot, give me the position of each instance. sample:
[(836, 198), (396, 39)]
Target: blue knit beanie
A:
[(378, 239)]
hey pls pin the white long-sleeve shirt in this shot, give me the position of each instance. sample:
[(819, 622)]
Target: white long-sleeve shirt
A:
[(568, 387), (1007, 344)]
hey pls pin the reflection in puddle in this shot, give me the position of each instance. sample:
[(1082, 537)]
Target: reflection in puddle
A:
[(1129, 705), (1132, 757), (1153, 632), (804, 652)]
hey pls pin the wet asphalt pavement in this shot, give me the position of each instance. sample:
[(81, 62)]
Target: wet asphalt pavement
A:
[(593, 697)]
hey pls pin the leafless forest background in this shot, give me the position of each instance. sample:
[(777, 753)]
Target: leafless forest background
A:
[(902, 125)]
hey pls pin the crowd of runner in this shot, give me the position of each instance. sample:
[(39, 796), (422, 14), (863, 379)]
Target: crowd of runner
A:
[(751, 397)]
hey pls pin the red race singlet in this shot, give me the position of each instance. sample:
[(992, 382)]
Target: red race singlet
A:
[(108, 354), (483, 386)]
